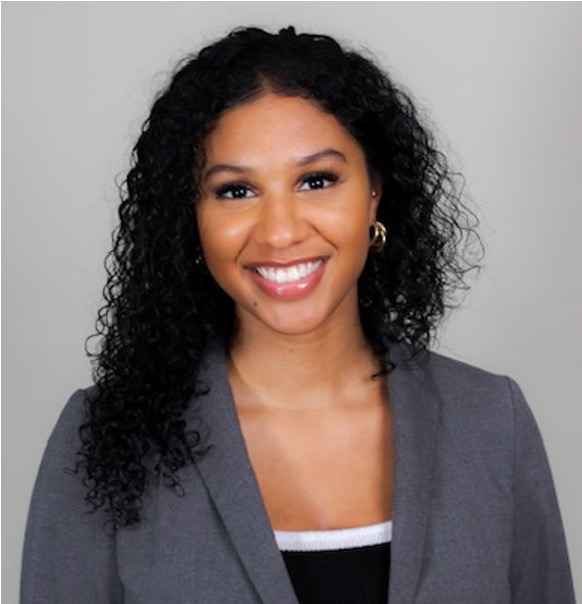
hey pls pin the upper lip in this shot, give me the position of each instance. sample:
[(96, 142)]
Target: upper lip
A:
[(281, 264)]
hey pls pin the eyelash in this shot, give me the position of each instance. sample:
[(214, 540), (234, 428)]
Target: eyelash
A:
[(330, 176)]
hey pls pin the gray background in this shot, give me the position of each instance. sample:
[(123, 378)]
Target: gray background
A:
[(502, 85)]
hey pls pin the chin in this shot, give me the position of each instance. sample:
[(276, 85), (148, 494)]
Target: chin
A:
[(294, 319)]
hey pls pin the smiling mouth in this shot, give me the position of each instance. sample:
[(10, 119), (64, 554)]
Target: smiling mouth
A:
[(289, 288), (290, 273)]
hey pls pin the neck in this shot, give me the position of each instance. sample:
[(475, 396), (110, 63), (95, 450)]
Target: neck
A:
[(322, 369)]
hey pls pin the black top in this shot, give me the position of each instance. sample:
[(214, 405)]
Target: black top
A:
[(343, 566)]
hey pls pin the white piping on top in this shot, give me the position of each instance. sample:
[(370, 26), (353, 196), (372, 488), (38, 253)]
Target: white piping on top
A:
[(306, 541)]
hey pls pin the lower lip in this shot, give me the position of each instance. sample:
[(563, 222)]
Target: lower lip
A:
[(295, 290)]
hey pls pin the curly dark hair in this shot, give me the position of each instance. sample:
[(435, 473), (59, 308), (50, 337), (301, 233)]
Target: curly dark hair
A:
[(162, 308)]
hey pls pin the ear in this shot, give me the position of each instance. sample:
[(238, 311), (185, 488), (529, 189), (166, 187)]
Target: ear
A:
[(375, 186)]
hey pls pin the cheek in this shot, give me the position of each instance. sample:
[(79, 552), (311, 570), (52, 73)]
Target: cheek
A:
[(349, 234), (220, 237), (346, 229)]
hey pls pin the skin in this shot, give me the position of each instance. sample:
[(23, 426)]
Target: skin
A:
[(317, 428)]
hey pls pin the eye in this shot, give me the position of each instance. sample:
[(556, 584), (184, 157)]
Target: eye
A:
[(319, 176), (239, 188), (221, 192)]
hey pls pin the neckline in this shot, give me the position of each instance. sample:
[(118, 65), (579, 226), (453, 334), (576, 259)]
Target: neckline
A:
[(235, 491), (331, 539)]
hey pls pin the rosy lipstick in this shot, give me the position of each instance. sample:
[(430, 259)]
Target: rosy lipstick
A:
[(292, 290)]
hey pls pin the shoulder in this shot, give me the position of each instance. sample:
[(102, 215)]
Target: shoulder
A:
[(454, 376), (461, 379), (66, 551), (71, 416), (484, 417), (459, 374), (63, 443), (474, 399)]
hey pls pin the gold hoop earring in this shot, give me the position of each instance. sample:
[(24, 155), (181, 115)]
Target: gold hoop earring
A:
[(379, 237)]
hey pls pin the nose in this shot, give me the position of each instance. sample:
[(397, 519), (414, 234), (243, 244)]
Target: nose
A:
[(279, 222)]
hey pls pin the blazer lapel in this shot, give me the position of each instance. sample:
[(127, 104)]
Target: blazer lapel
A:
[(415, 410), (230, 479), (227, 472)]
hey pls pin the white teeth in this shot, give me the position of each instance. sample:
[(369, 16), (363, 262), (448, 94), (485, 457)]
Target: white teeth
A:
[(285, 275)]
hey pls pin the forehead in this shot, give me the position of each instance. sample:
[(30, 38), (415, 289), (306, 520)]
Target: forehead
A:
[(277, 128)]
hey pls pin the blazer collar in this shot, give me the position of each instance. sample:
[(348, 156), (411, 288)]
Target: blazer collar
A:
[(227, 472)]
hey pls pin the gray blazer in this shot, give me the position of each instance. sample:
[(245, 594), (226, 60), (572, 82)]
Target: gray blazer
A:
[(475, 515)]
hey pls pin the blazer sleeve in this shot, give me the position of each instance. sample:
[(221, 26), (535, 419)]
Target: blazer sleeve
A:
[(540, 570), (68, 557)]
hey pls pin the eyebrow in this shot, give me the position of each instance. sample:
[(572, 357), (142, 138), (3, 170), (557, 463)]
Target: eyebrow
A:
[(308, 159)]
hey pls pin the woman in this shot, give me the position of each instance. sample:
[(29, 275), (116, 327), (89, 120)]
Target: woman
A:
[(267, 422)]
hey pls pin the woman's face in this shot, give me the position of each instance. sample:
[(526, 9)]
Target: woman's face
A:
[(273, 206)]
